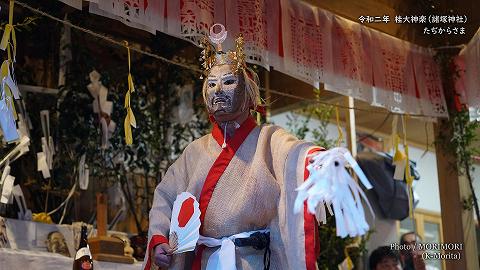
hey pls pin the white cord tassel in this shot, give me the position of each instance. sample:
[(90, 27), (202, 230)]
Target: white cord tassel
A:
[(329, 184), (224, 144)]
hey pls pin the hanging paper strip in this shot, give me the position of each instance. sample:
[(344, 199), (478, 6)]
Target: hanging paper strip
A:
[(258, 21), (408, 175), (469, 58), (9, 89), (8, 37), (192, 19), (429, 84), (393, 73), (146, 15), (129, 118), (352, 61), (306, 41)]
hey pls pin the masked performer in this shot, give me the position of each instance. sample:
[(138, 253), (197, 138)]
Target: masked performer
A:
[(245, 177)]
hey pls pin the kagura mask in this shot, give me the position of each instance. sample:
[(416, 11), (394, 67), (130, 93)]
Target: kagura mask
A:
[(230, 87)]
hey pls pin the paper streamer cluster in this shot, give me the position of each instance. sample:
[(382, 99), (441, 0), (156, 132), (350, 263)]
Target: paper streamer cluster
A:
[(102, 107), (9, 89), (330, 185)]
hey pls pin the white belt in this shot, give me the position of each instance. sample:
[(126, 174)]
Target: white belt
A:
[(224, 257)]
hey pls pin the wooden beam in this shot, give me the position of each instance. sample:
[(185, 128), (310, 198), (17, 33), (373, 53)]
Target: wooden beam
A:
[(37, 89)]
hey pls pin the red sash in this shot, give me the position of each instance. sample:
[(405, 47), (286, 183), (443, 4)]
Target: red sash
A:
[(216, 171)]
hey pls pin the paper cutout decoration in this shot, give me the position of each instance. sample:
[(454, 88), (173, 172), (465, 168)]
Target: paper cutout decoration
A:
[(329, 184), (102, 107), (185, 223)]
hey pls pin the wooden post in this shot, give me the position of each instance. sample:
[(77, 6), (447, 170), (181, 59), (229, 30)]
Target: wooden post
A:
[(103, 247), (101, 214), (458, 224), (350, 127)]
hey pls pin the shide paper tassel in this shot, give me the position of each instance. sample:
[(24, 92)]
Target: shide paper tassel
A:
[(330, 184), (9, 88), (408, 175), (401, 159), (9, 35), (129, 118)]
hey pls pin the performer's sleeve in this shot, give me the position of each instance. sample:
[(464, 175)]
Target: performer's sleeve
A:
[(174, 182), (296, 233)]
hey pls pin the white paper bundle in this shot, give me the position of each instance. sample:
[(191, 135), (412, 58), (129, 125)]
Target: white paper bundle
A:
[(329, 184), (102, 107), (184, 224), (6, 184), (83, 173)]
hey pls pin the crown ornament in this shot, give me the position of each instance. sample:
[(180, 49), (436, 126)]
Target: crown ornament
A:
[(211, 56)]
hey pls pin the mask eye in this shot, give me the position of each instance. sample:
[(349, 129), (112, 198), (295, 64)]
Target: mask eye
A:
[(212, 84), (229, 82)]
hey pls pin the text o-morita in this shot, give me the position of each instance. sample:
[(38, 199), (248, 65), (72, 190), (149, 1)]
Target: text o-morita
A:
[(441, 256)]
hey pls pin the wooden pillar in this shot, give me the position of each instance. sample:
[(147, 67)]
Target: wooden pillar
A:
[(458, 224), (101, 214)]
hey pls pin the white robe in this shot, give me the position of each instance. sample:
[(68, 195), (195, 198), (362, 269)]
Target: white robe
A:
[(254, 189)]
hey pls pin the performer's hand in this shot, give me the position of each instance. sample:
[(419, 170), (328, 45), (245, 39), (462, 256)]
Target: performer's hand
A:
[(163, 255)]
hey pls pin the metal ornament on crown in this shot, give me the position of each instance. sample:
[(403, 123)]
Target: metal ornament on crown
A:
[(218, 38), (211, 56)]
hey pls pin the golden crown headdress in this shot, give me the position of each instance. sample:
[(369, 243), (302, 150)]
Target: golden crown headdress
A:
[(212, 56)]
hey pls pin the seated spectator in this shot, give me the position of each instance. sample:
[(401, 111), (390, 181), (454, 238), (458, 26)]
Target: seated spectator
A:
[(384, 258)]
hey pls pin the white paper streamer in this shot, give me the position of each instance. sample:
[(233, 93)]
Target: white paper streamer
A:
[(17, 151), (45, 158), (330, 185), (83, 173), (102, 107), (7, 189)]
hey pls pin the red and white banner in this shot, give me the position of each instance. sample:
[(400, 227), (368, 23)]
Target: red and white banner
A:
[(307, 43)]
